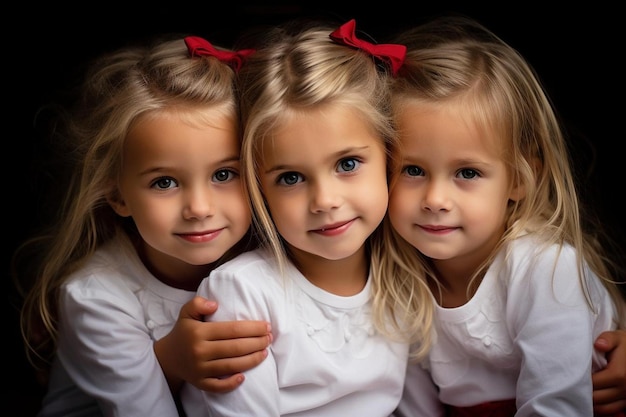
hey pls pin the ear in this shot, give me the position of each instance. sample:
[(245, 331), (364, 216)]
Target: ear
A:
[(117, 203), (518, 191)]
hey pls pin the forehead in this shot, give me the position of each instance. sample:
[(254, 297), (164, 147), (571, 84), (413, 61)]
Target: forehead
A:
[(323, 129), (164, 136), (196, 116), (447, 121)]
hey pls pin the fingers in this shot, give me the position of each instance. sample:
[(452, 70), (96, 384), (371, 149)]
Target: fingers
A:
[(602, 380), (218, 368), (608, 401), (224, 375), (609, 384), (224, 330), (234, 348), (197, 308), (608, 340), (222, 385), (611, 409)]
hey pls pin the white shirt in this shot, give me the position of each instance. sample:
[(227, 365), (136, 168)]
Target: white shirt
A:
[(526, 334), (326, 358), (111, 312)]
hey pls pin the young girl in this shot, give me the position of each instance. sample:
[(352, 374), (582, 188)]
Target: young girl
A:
[(155, 203), (486, 195), (317, 131)]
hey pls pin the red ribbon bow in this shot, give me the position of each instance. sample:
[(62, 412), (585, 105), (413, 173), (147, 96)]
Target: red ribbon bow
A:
[(201, 47), (393, 54)]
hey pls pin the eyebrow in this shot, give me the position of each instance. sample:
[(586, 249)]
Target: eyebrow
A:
[(336, 155), (234, 158), (156, 169)]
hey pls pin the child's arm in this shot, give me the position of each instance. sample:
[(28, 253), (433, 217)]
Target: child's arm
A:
[(609, 384), (202, 353)]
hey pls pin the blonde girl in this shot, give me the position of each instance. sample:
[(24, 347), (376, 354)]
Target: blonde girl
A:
[(317, 134), (154, 204), (487, 209)]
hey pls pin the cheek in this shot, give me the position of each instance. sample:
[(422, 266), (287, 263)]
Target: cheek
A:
[(396, 198), (238, 210), (274, 202), (394, 204), (153, 218), (284, 211), (487, 209), (399, 207), (378, 196)]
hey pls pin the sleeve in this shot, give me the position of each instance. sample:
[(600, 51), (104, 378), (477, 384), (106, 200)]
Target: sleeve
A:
[(245, 299), (107, 350), (420, 395), (552, 325)]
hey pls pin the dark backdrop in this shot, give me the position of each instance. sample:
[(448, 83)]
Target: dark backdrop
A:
[(577, 52)]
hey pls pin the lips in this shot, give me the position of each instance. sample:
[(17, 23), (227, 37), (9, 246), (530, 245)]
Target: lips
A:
[(334, 229), (200, 237), (438, 229)]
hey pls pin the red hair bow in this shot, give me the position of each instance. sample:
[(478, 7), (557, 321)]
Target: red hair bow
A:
[(393, 54), (201, 47)]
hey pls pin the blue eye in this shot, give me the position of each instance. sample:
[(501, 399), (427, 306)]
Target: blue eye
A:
[(468, 173), (289, 178), (224, 175), (348, 164), (413, 171), (164, 183)]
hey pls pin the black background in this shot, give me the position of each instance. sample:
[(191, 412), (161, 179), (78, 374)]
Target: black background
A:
[(577, 51)]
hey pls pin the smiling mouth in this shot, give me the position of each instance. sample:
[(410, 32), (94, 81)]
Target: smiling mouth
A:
[(435, 229), (334, 229), (333, 226), (199, 237)]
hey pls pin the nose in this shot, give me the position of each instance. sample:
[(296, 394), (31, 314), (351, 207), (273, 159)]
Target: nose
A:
[(198, 202), (325, 195), (436, 196)]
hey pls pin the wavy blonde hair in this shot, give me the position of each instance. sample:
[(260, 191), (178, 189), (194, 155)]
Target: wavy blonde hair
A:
[(455, 59), (298, 68), (119, 88)]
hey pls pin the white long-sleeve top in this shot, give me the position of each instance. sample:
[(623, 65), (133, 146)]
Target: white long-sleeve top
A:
[(326, 358), (527, 334), (111, 312)]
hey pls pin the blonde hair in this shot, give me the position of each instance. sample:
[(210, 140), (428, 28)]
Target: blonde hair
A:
[(454, 60), (119, 88), (298, 69)]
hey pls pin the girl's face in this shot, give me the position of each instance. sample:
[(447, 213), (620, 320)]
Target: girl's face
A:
[(323, 176), (451, 195), (180, 184)]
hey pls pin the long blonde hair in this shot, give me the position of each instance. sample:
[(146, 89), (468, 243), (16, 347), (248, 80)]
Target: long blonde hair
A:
[(456, 58), (297, 69), (119, 87)]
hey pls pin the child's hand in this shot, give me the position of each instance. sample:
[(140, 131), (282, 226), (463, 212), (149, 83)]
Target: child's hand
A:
[(609, 384), (210, 355)]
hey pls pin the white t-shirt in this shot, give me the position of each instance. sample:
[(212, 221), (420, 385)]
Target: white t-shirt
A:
[(326, 358), (527, 334), (111, 312)]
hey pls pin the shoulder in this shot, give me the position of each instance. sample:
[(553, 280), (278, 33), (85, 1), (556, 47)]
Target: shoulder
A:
[(250, 272), (246, 287), (258, 260), (113, 269), (533, 250), (532, 262)]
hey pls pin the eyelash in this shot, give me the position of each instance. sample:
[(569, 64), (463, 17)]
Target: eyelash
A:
[(282, 178), (463, 172), (171, 182)]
